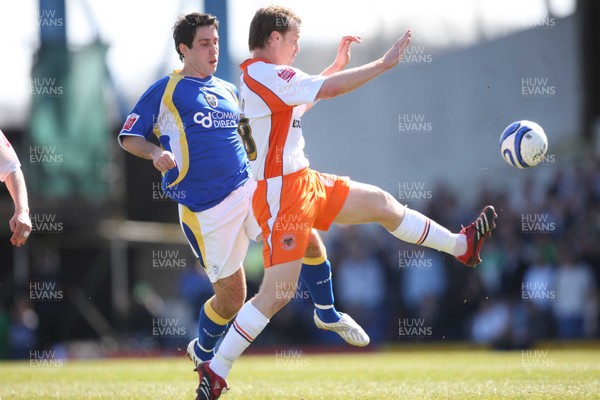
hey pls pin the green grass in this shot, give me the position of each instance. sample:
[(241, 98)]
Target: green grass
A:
[(407, 374)]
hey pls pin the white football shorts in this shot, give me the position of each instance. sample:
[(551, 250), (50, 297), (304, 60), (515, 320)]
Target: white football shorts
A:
[(219, 236)]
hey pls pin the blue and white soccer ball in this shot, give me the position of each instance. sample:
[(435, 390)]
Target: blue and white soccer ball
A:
[(523, 144)]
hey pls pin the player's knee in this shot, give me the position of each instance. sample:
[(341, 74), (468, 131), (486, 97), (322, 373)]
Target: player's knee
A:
[(388, 214), (384, 202), (314, 248), (280, 301), (314, 240), (274, 301), (390, 201)]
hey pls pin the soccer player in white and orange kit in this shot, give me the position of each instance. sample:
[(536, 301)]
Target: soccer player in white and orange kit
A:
[(274, 97), (12, 176)]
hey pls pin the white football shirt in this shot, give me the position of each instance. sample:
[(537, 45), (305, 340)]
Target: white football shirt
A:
[(9, 162), (273, 98)]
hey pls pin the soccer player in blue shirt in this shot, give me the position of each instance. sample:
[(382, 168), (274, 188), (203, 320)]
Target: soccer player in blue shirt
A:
[(194, 116)]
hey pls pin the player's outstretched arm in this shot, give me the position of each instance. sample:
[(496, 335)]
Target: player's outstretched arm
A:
[(20, 223), (138, 146), (341, 59), (342, 56), (346, 81)]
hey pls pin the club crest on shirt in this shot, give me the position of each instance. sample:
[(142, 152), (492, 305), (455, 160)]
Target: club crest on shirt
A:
[(211, 99), (288, 241)]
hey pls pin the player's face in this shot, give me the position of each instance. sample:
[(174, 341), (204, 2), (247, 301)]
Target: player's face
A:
[(202, 58), (289, 46)]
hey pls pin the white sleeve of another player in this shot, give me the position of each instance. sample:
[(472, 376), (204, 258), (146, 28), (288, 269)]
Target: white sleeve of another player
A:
[(9, 162), (295, 87)]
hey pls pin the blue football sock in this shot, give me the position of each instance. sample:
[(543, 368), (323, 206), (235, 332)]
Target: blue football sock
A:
[(210, 328), (316, 276)]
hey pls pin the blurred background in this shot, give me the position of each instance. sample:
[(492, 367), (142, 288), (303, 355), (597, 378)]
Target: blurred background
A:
[(107, 270)]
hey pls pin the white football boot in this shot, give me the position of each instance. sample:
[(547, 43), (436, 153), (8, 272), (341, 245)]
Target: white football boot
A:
[(347, 328), (191, 353)]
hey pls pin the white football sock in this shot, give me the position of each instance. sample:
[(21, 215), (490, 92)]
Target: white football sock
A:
[(248, 324), (417, 228)]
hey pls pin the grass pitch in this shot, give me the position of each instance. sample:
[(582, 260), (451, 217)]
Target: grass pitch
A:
[(291, 374)]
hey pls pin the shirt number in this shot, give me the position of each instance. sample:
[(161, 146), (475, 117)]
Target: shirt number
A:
[(245, 133)]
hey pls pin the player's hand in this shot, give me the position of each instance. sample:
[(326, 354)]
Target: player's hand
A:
[(393, 55), (343, 52), (20, 226), (163, 160)]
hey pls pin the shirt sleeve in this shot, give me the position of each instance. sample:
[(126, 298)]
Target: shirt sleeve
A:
[(295, 87), (140, 121), (9, 162)]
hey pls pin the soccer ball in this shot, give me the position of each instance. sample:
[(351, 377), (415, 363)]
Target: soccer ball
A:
[(523, 144)]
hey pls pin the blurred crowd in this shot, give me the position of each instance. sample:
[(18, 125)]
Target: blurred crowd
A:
[(539, 279)]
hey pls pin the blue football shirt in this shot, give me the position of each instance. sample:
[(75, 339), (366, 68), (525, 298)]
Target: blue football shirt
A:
[(195, 119)]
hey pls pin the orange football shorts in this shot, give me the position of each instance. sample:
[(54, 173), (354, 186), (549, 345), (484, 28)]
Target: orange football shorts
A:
[(288, 207)]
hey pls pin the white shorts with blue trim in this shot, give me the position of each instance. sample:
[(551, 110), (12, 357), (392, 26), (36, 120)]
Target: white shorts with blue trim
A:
[(219, 236)]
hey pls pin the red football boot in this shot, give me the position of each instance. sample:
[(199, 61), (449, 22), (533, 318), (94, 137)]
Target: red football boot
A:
[(476, 232)]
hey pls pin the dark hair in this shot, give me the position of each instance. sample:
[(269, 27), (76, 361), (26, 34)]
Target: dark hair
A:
[(267, 20), (184, 30)]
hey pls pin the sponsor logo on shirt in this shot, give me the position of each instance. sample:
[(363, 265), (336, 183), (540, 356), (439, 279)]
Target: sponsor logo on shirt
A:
[(130, 122), (217, 119), (286, 74)]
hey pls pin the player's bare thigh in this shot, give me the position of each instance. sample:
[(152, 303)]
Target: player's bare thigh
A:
[(368, 203)]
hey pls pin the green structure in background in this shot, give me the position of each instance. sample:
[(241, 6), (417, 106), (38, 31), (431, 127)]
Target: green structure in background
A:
[(69, 135), (68, 154)]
